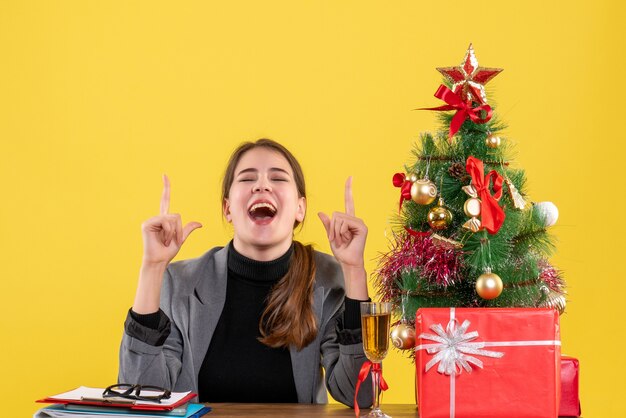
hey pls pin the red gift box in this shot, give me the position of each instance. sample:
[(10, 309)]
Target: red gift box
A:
[(570, 402), (488, 362)]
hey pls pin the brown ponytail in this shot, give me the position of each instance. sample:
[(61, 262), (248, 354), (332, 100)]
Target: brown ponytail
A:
[(288, 318)]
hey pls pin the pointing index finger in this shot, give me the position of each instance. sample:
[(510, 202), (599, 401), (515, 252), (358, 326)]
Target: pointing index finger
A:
[(165, 197), (348, 197)]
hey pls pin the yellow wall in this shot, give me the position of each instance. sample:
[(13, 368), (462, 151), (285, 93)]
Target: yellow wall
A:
[(98, 99)]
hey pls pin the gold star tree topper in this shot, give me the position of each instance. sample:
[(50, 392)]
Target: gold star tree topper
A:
[(468, 79)]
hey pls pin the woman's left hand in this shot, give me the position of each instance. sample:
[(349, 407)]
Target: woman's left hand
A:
[(347, 235)]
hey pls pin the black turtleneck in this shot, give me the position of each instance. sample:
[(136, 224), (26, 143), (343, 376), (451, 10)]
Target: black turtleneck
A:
[(237, 366)]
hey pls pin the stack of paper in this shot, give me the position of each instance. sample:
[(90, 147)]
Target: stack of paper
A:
[(86, 402)]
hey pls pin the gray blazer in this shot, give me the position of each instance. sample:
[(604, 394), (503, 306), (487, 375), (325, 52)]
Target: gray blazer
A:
[(193, 297)]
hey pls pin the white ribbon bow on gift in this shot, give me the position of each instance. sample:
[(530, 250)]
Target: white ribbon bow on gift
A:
[(453, 348)]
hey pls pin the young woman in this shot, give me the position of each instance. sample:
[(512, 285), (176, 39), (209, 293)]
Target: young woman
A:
[(258, 319)]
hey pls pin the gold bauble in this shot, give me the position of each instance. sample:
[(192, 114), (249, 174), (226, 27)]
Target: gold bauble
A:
[(493, 141), (489, 285), (403, 336), (423, 192), (472, 207), (412, 177), (439, 218)]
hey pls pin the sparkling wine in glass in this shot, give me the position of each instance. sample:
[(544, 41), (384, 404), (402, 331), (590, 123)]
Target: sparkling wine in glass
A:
[(375, 320)]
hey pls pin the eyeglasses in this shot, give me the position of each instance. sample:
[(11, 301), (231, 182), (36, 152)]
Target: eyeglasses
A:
[(137, 392)]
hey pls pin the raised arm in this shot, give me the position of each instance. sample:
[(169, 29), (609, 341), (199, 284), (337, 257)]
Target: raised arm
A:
[(163, 236), (347, 235), (152, 345)]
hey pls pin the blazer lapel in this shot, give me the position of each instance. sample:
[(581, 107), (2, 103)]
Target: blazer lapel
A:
[(304, 374), (206, 304)]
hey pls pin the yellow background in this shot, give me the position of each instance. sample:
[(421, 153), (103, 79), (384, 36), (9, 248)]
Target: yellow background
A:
[(99, 98)]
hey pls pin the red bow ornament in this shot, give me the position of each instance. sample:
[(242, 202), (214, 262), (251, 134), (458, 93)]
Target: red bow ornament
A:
[(463, 109), (404, 183), (401, 181), (365, 370), (492, 215)]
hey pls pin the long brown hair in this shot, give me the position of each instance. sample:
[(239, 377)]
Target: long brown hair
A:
[(288, 318)]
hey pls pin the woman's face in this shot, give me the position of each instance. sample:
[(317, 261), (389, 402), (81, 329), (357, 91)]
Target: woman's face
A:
[(263, 203)]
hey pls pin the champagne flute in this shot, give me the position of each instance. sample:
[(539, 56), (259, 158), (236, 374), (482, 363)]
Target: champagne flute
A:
[(375, 320)]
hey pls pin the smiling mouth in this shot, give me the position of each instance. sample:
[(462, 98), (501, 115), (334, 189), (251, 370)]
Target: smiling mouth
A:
[(263, 212)]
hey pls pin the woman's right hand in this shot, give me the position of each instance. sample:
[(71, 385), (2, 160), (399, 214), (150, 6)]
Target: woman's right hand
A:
[(163, 235)]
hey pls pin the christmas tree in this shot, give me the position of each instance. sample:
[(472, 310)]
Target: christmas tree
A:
[(466, 233)]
